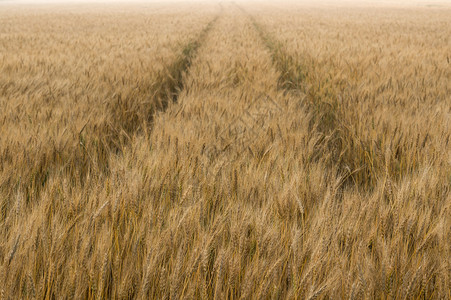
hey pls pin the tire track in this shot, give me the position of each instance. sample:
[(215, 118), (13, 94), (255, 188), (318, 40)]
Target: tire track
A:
[(89, 151), (351, 156), (228, 159), (129, 115)]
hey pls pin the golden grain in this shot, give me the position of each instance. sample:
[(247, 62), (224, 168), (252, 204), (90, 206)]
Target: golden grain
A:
[(232, 150)]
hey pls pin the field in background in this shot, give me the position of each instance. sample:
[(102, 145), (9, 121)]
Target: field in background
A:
[(225, 150)]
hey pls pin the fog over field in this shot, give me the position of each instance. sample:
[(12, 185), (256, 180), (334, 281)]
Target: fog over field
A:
[(432, 4), (251, 2)]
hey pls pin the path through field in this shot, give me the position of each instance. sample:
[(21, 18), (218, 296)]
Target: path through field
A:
[(219, 142)]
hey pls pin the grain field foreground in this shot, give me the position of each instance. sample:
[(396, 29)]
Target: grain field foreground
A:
[(225, 150)]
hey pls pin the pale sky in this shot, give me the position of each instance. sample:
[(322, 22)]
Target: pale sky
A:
[(377, 2)]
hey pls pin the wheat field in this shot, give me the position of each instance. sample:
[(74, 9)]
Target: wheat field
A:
[(225, 150)]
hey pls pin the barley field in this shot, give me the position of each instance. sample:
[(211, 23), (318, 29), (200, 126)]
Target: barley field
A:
[(225, 150)]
